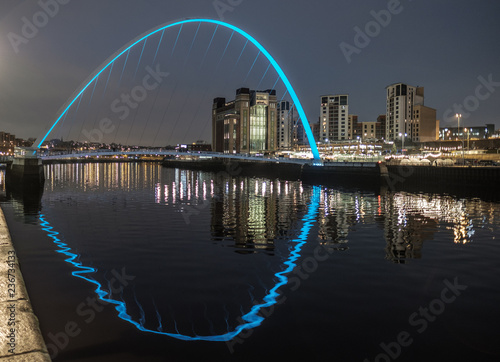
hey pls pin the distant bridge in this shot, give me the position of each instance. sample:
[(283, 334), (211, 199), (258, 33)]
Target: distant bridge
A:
[(153, 152), (6, 159)]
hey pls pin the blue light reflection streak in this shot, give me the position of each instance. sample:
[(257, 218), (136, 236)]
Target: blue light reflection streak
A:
[(252, 319)]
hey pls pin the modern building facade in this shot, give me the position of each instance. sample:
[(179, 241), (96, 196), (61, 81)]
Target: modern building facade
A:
[(285, 126), (356, 127), (369, 130), (315, 128), (334, 118), (7, 139), (407, 116), (401, 100), (299, 134), (247, 124), (381, 126), (423, 126)]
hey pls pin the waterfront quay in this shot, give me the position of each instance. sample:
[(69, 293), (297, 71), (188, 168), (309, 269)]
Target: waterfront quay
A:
[(21, 337), (197, 250), (353, 173)]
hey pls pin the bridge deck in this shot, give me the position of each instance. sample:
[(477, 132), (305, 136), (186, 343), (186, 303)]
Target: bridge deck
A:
[(105, 153), (5, 160)]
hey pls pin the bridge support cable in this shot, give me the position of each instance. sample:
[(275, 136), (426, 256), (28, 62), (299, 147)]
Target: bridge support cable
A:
[(224, 52), (284, 95), (165, 113), (253, 64), (265, 73), (88, 105), (107, 81), (137, 110), (277, 80), (62, 124), (123, 69), (187, 98), (202, 130), (151, 113), (176, 40), (140, 58), (159, 44), (201, 102), (72, 122), (242, 50), (192, 43), (208, 48)]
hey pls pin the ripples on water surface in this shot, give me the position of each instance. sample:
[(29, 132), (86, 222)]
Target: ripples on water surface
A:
[(197, 251)]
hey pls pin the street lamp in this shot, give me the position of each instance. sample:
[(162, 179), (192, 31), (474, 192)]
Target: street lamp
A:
[(458, 135), (402, 142), (458, 123), (468, 137)]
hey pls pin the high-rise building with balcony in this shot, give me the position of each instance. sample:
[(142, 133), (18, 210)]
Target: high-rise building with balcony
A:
[(401, 100), (285, 126), (334, 118), (407, 116)]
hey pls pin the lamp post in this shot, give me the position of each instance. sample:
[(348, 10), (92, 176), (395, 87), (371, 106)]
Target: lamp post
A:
[(458, 135), (468, 138), (402, 143)]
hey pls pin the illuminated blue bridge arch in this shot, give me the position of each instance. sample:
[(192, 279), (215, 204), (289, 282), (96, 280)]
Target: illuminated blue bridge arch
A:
[(108, 63)]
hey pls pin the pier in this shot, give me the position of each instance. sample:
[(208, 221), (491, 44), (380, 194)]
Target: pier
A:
[(24, 171)]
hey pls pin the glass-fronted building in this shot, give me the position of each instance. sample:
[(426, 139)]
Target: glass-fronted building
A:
[(247, 124)]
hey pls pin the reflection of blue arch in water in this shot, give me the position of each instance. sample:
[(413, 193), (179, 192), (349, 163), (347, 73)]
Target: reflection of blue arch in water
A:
[(251, 319), (108, 63)]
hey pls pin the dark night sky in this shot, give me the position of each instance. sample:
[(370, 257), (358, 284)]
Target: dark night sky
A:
[(444, 46)]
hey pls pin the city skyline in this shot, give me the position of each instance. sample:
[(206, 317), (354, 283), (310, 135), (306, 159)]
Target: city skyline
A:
[(336, 49)]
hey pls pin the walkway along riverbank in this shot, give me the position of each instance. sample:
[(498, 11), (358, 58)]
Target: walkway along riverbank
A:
[(21, 339)]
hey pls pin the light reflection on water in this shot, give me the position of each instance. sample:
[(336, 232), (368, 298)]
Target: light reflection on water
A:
[(252, 212), (205, 247)]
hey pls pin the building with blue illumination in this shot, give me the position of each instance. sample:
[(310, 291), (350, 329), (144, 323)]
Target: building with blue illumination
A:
[(246, 124)]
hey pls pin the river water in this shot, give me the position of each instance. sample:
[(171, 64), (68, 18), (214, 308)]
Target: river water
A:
[(135, 262)]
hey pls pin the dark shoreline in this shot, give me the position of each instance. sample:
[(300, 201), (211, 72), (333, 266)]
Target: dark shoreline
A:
[(459, 181), (480, 181)]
